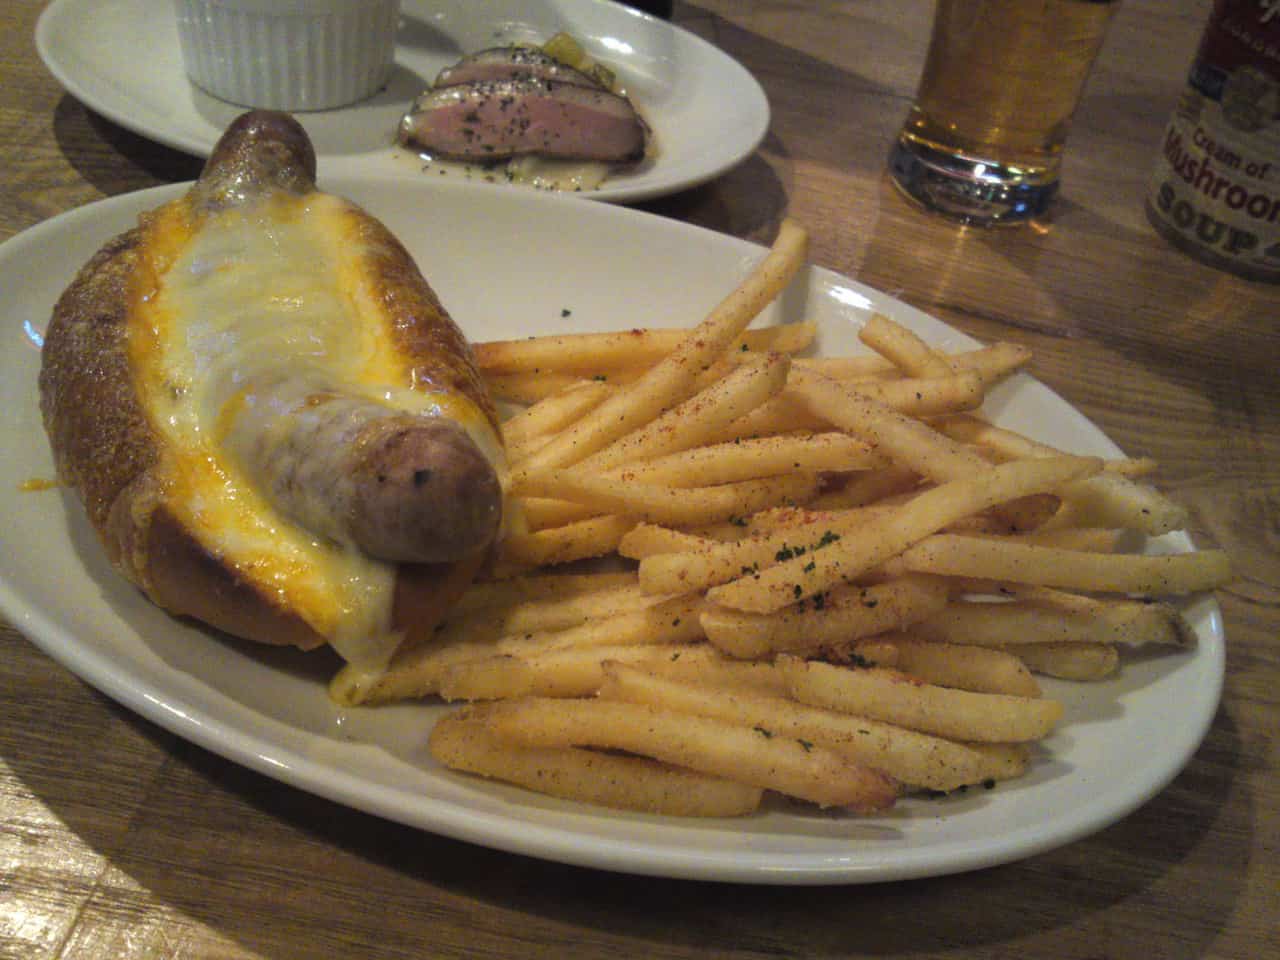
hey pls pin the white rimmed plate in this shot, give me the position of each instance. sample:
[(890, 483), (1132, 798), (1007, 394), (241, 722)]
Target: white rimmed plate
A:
[(515, 264), (121, 58)]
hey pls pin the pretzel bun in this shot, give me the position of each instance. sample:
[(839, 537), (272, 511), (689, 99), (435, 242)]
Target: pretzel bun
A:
[(273, 424)]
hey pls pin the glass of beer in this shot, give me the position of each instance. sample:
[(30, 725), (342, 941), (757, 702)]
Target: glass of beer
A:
[(983, 142)]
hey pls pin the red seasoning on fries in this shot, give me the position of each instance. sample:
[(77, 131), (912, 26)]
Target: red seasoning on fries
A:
[(839, 584)]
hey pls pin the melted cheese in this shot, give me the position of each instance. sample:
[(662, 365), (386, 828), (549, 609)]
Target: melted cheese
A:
[(259, 295)]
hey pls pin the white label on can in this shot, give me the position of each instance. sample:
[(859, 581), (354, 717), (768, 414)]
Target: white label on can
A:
[(1217, 176)]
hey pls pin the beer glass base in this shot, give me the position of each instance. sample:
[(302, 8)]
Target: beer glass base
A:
[(970, 191)]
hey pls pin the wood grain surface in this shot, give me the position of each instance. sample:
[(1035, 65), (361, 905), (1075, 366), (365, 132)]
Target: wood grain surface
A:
[(118, 840)]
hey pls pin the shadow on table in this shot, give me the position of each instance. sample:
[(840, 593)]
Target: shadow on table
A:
[(748, 201), (1051, 280), (218, 838), (113, 159), (1055, 893)]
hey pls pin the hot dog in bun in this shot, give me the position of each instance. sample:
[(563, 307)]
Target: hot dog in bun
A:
[(274, 425)]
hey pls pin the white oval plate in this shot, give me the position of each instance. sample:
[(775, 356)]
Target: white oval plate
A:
[(707, 112), (518, 263)]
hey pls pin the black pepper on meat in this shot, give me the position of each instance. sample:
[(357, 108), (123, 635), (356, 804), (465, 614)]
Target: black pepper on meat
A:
[(494, 120)]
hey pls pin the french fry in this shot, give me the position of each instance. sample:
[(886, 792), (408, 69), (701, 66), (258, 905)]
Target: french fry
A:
[(534, 389), (855, 366), (902, 348), (1069, 661), (794, 410), (690, 423), (922, 397), (896, 698), (587, 354), (872, 486), (855, 550), (1111, 499), (647, 539), (1132, 613), (705, 665), (1026, 514), (790, 766), (845, 614), (723, 531), (675, 506), (1092, 539), (992, 362), (578, 670), (784, 413), (915, 759), (715, 563), (418, 672), (485, 595), (873, 539), (462, 741), (544, 513), (564, 672), (528, 389), (804, 519), (546, 613), (1007, 444), (752, 458), (593, 537), (582, 353), (1028, 622), (674, 620), (965, 667), (874, 651), (781, 338), (908, 442), (552, 414), (673, 379), (1132, 573)]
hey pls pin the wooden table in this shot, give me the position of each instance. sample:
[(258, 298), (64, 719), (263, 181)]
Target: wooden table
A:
[(119, 840)]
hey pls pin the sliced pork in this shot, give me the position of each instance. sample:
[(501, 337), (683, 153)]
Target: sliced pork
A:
[(490, 121)]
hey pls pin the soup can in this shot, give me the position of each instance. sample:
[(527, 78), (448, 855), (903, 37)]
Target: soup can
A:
[(1216, 189)]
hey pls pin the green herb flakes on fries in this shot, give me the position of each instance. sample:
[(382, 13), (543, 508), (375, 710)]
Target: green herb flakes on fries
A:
[(827, 579)]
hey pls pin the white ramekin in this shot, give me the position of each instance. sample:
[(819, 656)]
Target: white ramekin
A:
[(288, 54)]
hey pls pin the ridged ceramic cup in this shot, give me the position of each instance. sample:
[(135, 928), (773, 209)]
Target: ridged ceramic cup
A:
[(288, 54)]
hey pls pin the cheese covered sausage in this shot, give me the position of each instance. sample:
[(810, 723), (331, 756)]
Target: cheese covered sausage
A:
[(398, 486), (274, 424)]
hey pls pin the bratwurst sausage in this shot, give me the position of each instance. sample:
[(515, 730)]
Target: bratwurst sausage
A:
[(399, 486), (274, 424)]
